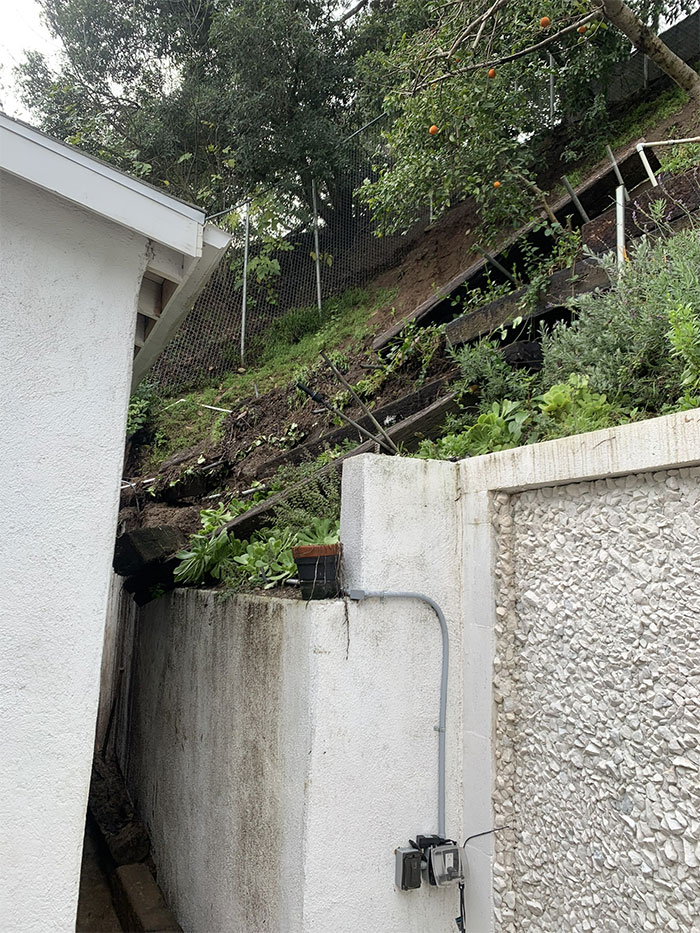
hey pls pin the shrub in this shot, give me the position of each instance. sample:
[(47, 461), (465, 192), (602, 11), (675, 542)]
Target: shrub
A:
[(619, 339)]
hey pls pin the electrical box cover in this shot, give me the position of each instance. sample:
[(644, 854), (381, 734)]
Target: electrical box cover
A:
[(408, 865), (447, 863)]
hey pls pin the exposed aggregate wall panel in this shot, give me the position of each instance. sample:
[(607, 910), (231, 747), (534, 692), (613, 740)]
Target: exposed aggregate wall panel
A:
[(597, 706)]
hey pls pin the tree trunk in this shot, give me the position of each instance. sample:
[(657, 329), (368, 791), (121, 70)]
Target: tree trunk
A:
[(626, 20)]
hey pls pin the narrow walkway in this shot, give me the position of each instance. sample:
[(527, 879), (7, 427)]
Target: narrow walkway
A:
[(95, 909)]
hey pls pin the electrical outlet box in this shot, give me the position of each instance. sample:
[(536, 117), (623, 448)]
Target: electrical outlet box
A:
[(408, 866), (447, 864)]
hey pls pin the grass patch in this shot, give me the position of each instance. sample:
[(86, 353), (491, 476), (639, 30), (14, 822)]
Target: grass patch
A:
[(635, 123), (291, 343)]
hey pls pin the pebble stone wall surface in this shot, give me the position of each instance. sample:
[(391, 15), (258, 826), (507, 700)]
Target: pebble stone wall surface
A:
[(597, 706)]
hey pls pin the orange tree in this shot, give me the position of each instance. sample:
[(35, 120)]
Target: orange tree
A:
[(479, 72)]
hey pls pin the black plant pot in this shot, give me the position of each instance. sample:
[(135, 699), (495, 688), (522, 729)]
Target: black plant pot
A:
[(318, 570)]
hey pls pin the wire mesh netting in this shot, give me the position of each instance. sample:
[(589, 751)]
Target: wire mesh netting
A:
[(282, 272)]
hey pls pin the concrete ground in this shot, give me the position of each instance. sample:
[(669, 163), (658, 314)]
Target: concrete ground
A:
[(95, 909)]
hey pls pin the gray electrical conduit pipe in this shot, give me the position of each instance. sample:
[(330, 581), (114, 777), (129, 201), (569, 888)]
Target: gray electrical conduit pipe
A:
[(359, 596)]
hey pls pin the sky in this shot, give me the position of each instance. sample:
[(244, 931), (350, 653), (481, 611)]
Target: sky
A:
[(21, 29)]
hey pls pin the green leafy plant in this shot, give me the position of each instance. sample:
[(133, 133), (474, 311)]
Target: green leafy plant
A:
[(499, 428), (486, 373), (320, 531), (572, 408), (684, 337), (619, 338), (266, 560), (140, 407), (207, 555)]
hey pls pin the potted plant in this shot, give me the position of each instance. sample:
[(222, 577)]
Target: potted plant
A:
[(317, 556)]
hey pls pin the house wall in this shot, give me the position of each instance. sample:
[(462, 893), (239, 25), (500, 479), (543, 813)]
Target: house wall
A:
[(69, 284)]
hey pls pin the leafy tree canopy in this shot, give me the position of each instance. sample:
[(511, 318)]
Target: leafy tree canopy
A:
[(468, 97), (208, 97), (216, 99)]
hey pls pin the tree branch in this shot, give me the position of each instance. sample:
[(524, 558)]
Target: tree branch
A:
[(351, 12), (492, 63)]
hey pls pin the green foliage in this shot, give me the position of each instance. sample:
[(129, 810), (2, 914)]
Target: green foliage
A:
[(182, 422), (679, 159), (207, 556), (310, 516), (320, 531), (484, 370), (619, 338), (210, 99), (631, 351), (684, 337), (140, 407), (499, 428), (489, 126), (571, 408), (413, 350), (266, 560), (314, 495)]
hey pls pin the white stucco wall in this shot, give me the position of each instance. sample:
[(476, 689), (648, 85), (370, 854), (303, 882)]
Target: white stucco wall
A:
[(346, 703), (597, 690), (280, 751), (69, 283)]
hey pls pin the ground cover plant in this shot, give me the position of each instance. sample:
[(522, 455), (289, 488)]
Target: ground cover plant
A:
[(309, 515), (288, 349), (630, 353)]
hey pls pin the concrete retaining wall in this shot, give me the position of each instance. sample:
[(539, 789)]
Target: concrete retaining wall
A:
[(280, 751)]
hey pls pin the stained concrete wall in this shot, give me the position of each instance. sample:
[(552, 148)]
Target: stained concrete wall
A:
[(597, 697), (280, 751), (69, 285), (315, 723)]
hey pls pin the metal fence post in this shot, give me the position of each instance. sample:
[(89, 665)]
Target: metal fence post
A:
[(620, 218), (318, 257), (244, 296)]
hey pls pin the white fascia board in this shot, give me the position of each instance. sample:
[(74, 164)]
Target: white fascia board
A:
[(215, 242), (99, 188)]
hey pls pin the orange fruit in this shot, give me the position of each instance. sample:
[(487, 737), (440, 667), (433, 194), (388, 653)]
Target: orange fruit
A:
[(496, 184), (492, 72), (433, 130), (582, 29), (545, 21)]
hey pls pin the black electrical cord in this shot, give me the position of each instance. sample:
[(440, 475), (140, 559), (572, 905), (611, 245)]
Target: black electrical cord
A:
[(488, 832), (461, 921)]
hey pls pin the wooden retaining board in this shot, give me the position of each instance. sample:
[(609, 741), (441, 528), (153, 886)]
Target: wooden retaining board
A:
[(595, 195), (682, 196), (408, 432), (563, 285), (397, 411)]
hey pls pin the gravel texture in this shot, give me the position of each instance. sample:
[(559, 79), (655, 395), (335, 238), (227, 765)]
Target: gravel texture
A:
[(597, 700)]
